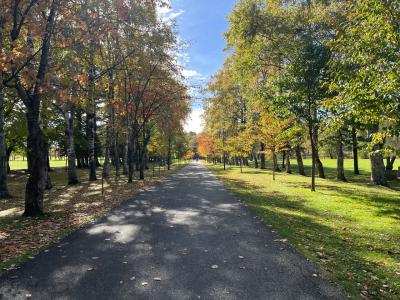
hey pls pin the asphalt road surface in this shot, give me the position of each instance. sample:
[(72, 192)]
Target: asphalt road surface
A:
[(185, 238)]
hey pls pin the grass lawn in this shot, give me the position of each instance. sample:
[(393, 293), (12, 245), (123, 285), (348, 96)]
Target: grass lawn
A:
[(20, 164), (350, 230), (67, 208)]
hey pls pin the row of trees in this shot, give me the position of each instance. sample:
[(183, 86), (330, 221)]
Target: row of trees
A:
[(104, 73), (302, 72)]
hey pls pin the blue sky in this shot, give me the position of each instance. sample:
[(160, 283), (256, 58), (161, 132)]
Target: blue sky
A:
[(201, 23)]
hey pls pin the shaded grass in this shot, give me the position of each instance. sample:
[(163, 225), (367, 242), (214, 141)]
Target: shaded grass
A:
[(350, 230), (67, 208)]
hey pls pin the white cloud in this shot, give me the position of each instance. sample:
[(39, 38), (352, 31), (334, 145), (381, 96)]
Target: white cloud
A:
[(191, 74), (172, 15), (167, 14), (195, 121)]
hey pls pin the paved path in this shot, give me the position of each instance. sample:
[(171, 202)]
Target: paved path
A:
[(190, 233)]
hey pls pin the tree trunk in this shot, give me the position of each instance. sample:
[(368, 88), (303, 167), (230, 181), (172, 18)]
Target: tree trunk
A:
[(69, 142), (377, 166), (318, 162), (275, 162), (49, 185), (262, 156), (133, 150), (340, 158), (131, 158), (299, 159), (3, 151), (288, 164), (255, 160), (141, 165), (91, 106), (125, 159), (169, 152), (283, 159), (91, 140), (330, 154), (355, 150), (9, 151), (37, 157), (97, 145), (107, 150), (116, 153), (137, 156), (36, 143), (146, 160), (77, 146), (142, 151), (313, 155), (390, 163), (106, 165)]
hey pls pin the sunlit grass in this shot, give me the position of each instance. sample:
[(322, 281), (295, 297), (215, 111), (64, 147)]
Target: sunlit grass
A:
[(351, 230), (20, 164)]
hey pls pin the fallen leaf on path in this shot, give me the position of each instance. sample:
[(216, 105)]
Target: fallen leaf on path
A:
[(157, 279), (28, 295), (144, 283), (214, 267), (241, 257), (281, 240), (95, 257), (132, 278)]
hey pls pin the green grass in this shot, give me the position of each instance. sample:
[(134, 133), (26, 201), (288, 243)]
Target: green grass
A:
[(20, 164), (23, 164), (330, 168), (350, 230)]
